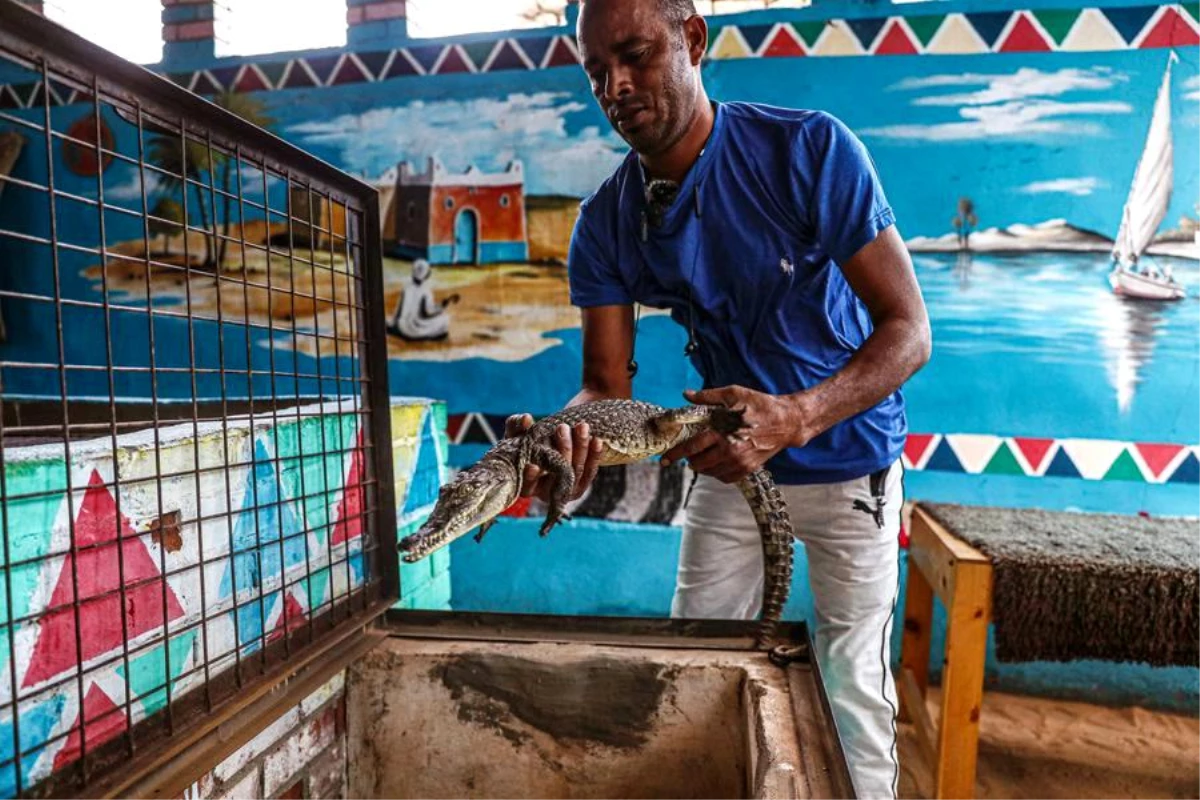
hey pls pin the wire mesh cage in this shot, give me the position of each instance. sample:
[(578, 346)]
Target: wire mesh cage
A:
[(195, 465)]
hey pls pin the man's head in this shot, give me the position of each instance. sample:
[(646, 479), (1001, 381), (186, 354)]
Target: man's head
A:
[(643, 60)]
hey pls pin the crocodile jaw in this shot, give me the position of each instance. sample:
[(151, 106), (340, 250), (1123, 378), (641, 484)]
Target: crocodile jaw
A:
[(476, 497)]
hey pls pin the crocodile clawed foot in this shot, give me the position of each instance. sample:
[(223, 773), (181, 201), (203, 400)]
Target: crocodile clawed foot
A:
[(551, 521), (478, 537)]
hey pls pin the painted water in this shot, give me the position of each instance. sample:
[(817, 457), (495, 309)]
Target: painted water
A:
[(1037, 344)]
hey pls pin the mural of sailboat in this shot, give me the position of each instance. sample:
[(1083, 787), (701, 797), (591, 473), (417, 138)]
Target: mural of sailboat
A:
[(1145, 208)]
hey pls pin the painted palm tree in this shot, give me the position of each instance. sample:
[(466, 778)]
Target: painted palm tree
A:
[(965, 221), (166, 220), (193, 159)]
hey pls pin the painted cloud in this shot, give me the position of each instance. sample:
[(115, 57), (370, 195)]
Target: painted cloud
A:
[(1079, 187), (1027, 103), (486, 132)]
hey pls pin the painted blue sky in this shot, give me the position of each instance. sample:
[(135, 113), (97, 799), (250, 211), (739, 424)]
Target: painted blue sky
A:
[(1029, 138)]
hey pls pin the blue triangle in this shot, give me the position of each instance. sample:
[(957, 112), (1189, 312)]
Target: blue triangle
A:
[(866, 29), (944, 459), (535, 48), (755, 34), (256, 533), (36, 726), (1188, 471), (426, 55), (427, 476), (988, 24), (375, 61), (1130, 20), (250, 621), (1062, 466)]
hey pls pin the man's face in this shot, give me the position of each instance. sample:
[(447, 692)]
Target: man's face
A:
[(641, 71)]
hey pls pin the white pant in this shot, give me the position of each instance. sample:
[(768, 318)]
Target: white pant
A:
[(853, 573)]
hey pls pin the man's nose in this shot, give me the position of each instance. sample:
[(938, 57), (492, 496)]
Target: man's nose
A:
[(617, 84)]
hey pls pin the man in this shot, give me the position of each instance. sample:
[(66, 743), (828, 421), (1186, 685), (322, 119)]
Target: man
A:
[(767, 234)]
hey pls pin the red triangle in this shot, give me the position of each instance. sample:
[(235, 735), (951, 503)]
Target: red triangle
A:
[(916, 446), (104, 721), (1171, 30), (1158, 456), (100, 573), (1024, 37), (350, 507), (896, 42), (293, 614), (250, 81), (784, 44), (561, 54), (454, 425), (1034, 450), (350, 72), (452, 62)]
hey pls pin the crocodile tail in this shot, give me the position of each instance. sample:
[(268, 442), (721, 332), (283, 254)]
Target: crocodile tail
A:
[(775, 527)]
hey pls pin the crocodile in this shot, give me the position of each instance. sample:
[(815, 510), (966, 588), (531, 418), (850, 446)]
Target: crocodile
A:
[(631, 431)]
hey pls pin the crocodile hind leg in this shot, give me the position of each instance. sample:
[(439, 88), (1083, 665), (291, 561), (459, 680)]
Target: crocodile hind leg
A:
[(775, 527), (553, 462)]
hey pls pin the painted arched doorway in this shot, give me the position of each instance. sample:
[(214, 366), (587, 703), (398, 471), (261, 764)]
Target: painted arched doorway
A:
[(466, 237)]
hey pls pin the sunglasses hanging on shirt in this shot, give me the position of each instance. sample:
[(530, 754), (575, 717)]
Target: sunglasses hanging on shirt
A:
[(660, 196)]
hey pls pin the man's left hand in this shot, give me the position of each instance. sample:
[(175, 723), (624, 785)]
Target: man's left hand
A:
[(774, 422)]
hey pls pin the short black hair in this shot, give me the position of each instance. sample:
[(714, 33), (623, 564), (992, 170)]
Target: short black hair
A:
[(677, 12)]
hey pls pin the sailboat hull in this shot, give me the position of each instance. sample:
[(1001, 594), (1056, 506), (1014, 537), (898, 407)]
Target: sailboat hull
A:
[(1144, 287)]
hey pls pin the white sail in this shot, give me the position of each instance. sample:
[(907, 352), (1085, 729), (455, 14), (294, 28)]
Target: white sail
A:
[(1152, 183)]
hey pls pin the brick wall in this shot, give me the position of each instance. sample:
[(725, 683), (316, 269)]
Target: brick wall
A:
[(300, 755)]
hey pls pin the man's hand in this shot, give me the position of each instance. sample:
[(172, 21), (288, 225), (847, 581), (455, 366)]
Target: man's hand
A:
[(577, 446), (775, 422)]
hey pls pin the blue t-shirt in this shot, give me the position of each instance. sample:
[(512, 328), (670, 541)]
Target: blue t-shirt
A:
[(777, 199)]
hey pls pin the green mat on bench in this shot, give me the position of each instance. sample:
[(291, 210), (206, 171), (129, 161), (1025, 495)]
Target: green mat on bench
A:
[(1070, 586)]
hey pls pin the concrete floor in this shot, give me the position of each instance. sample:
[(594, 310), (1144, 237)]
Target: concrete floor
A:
[(1032, 747)]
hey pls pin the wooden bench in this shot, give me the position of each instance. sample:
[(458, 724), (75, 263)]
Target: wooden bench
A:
[(942, 564)]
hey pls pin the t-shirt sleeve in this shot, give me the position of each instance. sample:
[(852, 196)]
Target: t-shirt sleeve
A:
[(592, 273), (846, 203)]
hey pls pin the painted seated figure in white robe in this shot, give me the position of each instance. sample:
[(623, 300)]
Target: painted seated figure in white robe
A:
[(418, 316)]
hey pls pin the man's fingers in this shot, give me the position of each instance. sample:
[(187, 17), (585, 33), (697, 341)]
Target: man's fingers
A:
[(691, 447), (594, 451), (709, 397), (517, 424), (580, 444), (529, 482)]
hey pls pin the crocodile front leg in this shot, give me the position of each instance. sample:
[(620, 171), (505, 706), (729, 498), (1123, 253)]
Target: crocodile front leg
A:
[(554, 463)]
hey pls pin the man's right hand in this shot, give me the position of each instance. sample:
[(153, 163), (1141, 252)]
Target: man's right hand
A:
[(577, 446)]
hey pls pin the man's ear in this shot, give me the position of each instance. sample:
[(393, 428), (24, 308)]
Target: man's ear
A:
[(695, 31)]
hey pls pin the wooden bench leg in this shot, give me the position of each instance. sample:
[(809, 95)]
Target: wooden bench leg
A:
[(962, 680), (916, 636)]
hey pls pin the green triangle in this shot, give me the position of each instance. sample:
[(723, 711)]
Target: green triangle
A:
[(1124, 469), (1004, 463), (925, 26), (314, 588), (809, 31), (714, 33), (146, 672), (1193, 9), (479, 52), (1058, 22), (273, 70)]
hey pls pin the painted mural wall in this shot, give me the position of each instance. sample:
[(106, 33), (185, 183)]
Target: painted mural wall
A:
[(1007, 136)]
